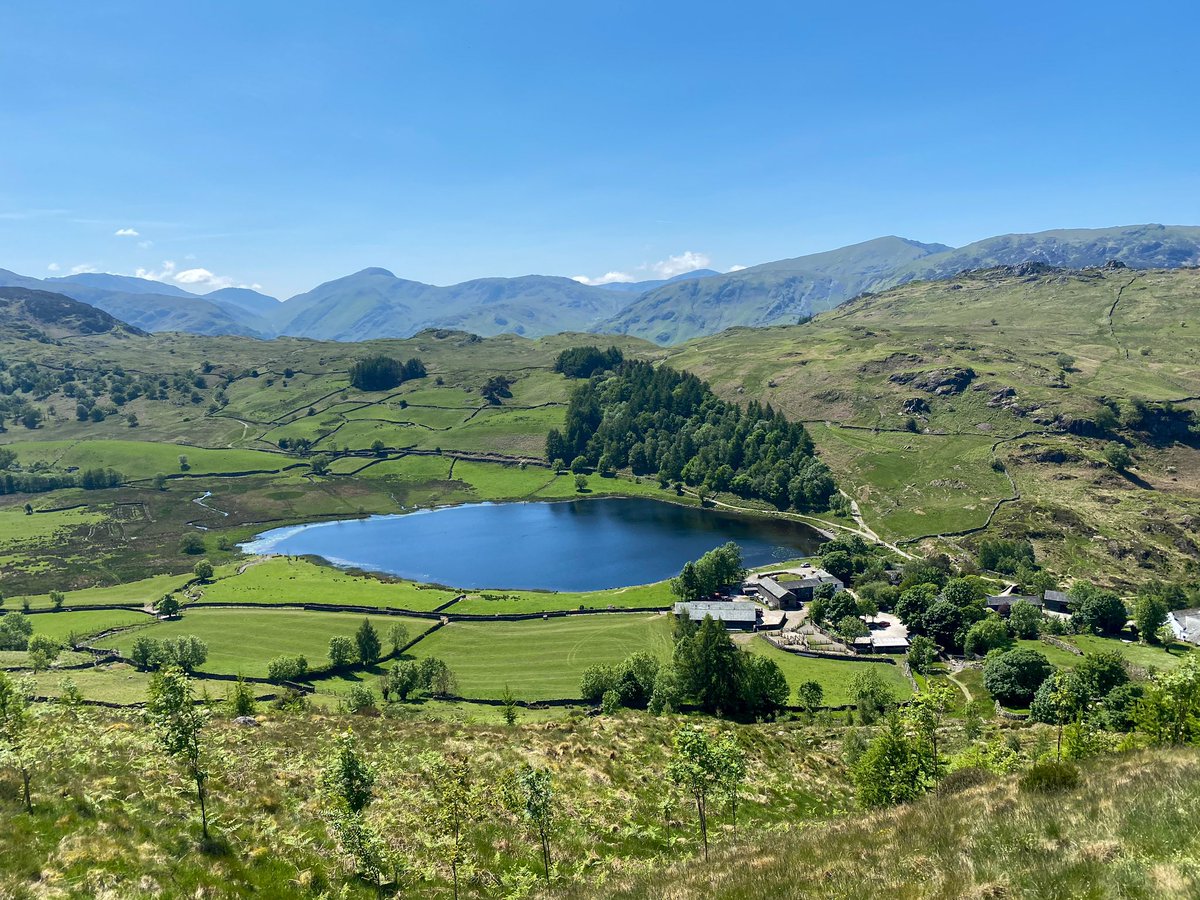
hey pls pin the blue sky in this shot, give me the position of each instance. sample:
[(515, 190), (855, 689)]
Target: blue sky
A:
[(284, 144)]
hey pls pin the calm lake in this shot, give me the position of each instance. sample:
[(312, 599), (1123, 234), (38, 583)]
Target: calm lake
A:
[(580, 545)]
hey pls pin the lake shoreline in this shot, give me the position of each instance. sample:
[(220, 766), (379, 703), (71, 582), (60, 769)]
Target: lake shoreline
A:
[(537, 545)]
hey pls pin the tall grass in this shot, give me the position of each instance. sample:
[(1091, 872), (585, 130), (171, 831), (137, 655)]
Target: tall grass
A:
[(1131, 829)]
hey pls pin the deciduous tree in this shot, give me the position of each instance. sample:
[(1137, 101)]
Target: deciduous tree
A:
[(172, 710)]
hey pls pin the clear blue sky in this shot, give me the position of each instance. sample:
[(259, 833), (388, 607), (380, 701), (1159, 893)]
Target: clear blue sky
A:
[(284, 144)]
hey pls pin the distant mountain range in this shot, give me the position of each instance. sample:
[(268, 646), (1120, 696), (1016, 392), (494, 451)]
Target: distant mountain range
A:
[(374, 303), (781, 292)]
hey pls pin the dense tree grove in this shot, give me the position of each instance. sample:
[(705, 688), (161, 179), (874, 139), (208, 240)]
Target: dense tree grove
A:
[(583, 362), (34, 483), (715, 570), (945, 613), (656, 420), (186, 652), (708, 669), (381, 373), (1002, 555)]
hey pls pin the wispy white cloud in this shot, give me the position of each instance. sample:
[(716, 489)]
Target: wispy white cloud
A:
[(82, 268), (163, 274), (145, 245), (53, 267), (195, 277), (606, 278), (126, 232), (204, 278), (687, 261), (735, 268)]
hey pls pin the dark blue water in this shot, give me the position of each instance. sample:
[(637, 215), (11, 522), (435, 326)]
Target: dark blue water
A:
[(580, 545)]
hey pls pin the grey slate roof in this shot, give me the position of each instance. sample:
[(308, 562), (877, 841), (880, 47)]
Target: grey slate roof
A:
[(722, 611), (774, 588), (1186, 624), (997, 600)]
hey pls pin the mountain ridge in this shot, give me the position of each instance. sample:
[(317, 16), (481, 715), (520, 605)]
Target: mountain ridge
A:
[(375, 303), (784, 291)]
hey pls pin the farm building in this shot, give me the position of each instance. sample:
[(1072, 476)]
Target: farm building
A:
[(881, 643), (1185, 623), (1003, 603), (1056, 602), (775, 595), (743, 616), (793, 587)]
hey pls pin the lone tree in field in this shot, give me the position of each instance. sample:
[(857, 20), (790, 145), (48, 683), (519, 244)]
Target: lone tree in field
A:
[(180, 723), (203, 570), (397, 637), (369, 646), (167, 607), (810, 695), (192, 545), (341, 651)]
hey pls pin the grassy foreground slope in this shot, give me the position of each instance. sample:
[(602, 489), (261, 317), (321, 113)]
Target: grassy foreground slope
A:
[(1129, 830), (118, 820)]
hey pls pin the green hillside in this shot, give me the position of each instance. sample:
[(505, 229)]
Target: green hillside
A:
[(782, 292), (928, 398)]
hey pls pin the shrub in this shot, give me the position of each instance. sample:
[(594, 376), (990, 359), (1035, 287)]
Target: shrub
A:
[(193, 545), (287, 668), (360, 699), (241, 699), (1013, 676), (1050, 777)]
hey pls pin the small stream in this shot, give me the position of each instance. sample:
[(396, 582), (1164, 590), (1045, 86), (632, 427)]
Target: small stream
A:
[(199, 501)]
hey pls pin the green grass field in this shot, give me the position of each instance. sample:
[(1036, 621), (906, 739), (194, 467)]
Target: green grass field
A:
[(136, 593), (1144, 656), (144, 459), (910, 484), (833, 675), (542, 659), (114, 683), (244, 641), (293, 580), (519, 602), (59, 625)]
